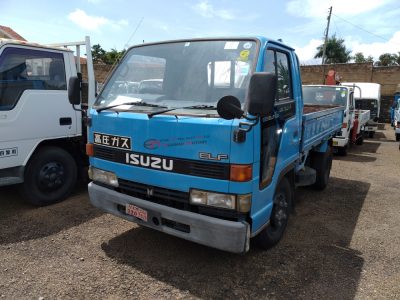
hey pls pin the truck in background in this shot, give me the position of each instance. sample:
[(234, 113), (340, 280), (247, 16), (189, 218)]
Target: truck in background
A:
[(368, 97), (396, 116), (42, 138), (354, 120), (214, 156)]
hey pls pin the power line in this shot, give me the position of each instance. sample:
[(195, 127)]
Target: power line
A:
[(359, 27)]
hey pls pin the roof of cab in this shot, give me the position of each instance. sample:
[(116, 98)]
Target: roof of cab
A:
[(4, 41), (263, 40)]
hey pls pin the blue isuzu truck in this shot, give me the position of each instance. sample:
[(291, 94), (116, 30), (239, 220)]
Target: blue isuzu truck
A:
[(207, 140)]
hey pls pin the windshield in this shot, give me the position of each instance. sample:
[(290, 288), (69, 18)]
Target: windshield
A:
[(325, 95), (180, 74)]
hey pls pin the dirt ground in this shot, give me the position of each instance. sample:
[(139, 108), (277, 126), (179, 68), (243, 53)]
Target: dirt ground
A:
[(342, 243)]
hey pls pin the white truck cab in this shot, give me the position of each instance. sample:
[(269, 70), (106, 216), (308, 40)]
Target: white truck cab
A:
[(368, 97), (41, 138)]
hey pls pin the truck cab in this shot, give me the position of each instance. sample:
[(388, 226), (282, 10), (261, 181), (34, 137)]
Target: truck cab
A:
[(214, 153), (396, 116), (368, 97), (40, 132), (354, 120)]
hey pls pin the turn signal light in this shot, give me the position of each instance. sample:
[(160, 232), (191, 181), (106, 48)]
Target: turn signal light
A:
[(344, 125), (241, 173), (89, 150)]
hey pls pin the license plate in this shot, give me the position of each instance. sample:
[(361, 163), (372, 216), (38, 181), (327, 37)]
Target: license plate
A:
[(135, 211), (335, 143)]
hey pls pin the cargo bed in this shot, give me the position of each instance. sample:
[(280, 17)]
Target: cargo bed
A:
[(320, 123)]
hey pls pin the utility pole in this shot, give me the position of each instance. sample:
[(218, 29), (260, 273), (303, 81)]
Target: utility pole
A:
[(326, 35)]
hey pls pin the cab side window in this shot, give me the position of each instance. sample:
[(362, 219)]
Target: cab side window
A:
[(28, 69), (278, 62)]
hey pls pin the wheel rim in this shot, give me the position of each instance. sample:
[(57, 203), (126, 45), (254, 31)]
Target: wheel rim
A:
[(280, 212), (51, 176)]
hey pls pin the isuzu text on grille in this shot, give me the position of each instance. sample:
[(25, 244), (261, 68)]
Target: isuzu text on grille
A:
[(149, 161)]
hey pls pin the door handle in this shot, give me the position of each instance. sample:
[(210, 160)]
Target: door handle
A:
[(65, 121)]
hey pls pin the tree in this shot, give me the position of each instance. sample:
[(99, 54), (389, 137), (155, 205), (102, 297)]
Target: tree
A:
[(388, 59), (360, 58), (336, 51), (100, 56)]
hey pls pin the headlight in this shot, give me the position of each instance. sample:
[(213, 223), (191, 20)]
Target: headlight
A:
[(241, 203), (102, 176)]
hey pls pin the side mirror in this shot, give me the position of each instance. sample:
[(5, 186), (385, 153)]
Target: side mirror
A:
[(262, 92), (74, 90), (228, 107)]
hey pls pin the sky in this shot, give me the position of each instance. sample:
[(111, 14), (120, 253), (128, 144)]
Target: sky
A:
[(368, 26)]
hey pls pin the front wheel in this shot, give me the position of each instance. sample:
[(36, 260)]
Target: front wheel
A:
[(273, 233), (50, 176)]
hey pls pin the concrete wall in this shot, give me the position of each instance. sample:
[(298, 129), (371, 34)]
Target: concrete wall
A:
[(388, 77)]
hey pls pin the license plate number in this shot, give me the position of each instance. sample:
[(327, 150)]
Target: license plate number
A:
[(137, 212)]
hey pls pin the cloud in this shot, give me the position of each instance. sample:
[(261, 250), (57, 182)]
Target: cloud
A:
[(306, 53), (319, 8), (374, 49), (93, 23), (208, 11)]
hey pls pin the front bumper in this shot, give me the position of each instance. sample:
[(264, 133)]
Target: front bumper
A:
[(213, 232)]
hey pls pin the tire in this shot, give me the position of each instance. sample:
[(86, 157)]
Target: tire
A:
[(50, 176), (360, 139), (371, 134), (397, 137), (342, 150), (273, 233), (321, 162)]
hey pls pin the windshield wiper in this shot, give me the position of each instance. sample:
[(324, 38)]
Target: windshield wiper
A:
[(129, 103), (201, 106)]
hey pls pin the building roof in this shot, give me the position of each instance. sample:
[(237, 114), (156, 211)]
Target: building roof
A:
[(11, 34)]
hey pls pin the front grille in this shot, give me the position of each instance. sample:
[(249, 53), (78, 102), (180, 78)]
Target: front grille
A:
[(175, 199), (104, 153), (216, 170), (172, 198)]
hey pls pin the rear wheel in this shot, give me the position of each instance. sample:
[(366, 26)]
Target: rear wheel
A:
[(342, 150), (50, 176), (273, 233), (321, 162), (397, 137), (371, 134)]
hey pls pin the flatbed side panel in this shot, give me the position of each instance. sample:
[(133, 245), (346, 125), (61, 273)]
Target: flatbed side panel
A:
[(320, 126)]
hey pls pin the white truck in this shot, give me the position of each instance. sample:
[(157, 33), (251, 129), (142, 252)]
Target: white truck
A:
[(42, 138), (368, 97), (354, 119)]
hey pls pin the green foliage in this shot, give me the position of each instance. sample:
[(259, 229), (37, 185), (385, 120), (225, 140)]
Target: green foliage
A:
[(360, 58), (388, 59), (100, 56), (336, 51)]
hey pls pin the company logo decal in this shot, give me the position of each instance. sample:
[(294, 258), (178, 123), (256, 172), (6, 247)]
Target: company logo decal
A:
[(153, 144), (114, 141)]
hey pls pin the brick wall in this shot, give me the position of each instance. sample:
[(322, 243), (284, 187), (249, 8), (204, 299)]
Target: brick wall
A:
[(388, 77)]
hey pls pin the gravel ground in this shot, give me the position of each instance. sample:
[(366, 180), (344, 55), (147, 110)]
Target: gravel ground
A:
[(342, 243)]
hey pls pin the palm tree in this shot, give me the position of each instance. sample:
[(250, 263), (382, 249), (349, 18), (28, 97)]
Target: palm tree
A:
[(336, 51)]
